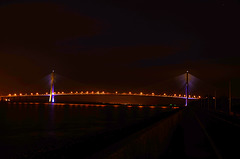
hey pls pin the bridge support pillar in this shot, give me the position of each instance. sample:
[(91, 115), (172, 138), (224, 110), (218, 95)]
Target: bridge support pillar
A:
[(51, 97)]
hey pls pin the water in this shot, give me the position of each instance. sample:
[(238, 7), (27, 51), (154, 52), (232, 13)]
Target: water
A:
[(28, 128)]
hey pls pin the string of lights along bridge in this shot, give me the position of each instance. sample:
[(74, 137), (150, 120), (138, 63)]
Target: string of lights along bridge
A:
[(53, 93), (106, 93)]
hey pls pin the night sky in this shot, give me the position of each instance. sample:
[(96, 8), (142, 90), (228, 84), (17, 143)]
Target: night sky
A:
[(120, 45)]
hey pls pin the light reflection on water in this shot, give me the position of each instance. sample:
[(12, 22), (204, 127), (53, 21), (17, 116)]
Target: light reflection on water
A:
[(29, 126)]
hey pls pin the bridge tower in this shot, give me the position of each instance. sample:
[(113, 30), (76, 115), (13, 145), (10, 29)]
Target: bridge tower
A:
[(186, 89), (51, 97)]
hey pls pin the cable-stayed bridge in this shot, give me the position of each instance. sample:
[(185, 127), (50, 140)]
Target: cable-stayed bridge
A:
[(104, 97)]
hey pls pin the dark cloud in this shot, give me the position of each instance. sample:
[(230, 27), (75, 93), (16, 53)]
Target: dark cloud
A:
[(41, 25)]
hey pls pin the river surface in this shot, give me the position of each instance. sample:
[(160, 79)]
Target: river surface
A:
[(28, 128)]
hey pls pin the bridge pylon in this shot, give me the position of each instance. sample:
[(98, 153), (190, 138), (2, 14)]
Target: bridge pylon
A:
[(186, 104), (51, 97)]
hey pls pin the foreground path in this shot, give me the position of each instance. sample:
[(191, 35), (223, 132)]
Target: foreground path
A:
[(202, 134)]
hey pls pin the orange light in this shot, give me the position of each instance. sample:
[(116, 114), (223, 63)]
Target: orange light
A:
[(20, 94), (97, 92), (141, 93), (179, 95), (184, 95), (175, 95), (9, 95), (31, 93), (62, 92), (76, 92), (86, 92), (92, 92), (164, 94), (37, 94), (116, 92), (103, 92), (199, 96), (15, 94), (129, 92), (152, 106), (140, 106), (194, 96), (153, 94), (71, 92)]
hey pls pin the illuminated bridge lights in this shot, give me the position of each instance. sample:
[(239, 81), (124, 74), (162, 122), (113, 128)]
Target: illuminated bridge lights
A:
[(108, 93)]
